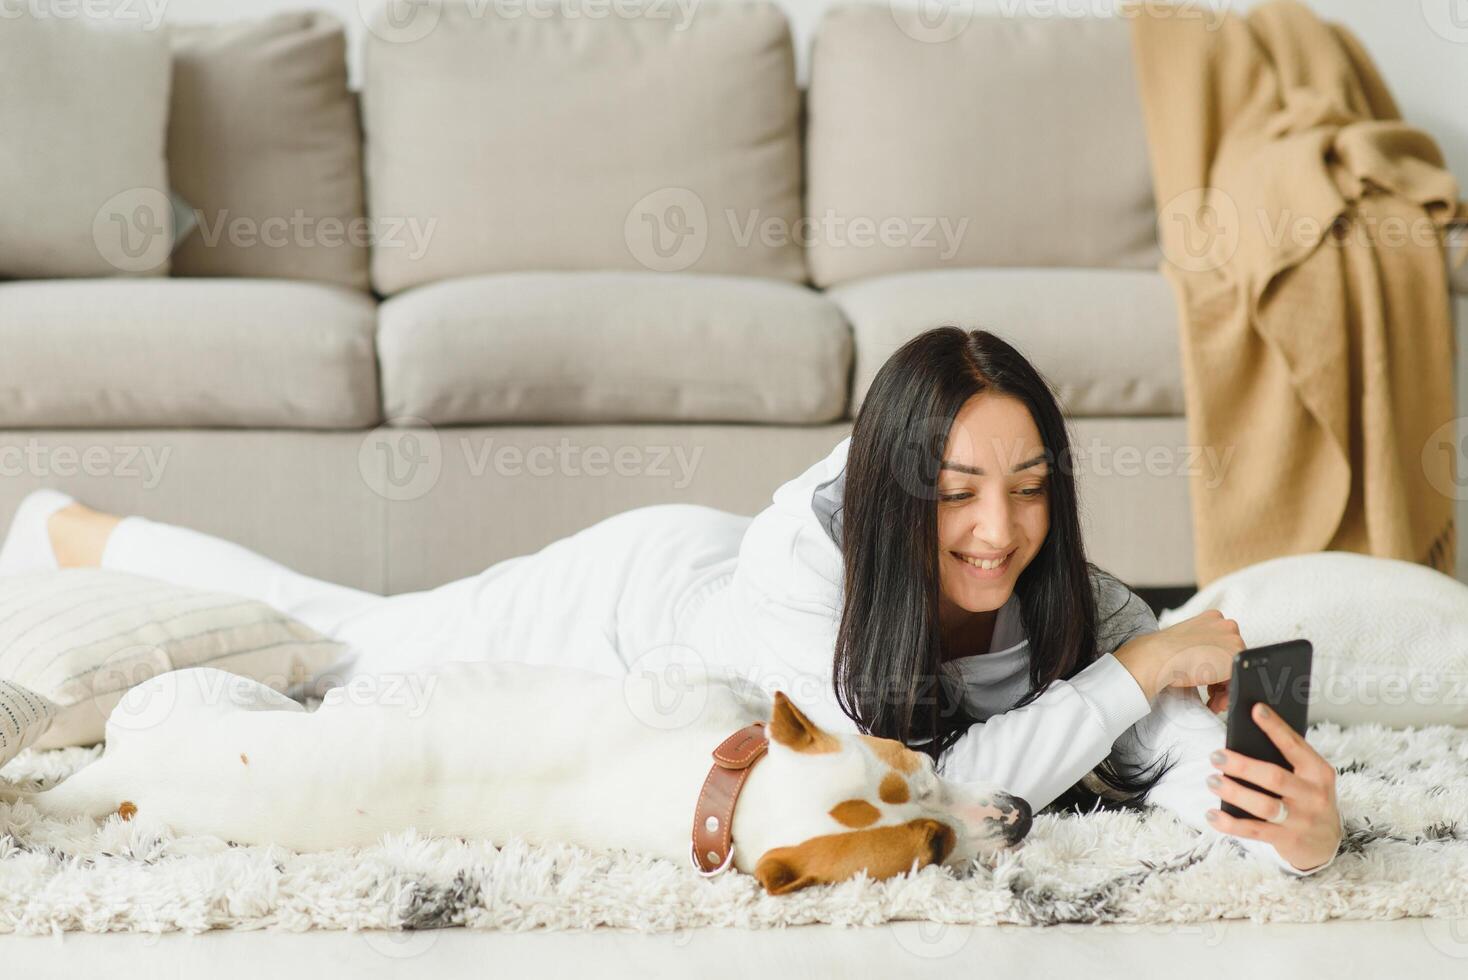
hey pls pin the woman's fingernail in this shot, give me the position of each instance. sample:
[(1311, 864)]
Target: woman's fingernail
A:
[(1261, 710), (1218, 758), (1214, 781), (1212, 815)]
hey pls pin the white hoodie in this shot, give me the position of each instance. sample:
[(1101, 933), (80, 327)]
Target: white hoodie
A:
[(774, 621)]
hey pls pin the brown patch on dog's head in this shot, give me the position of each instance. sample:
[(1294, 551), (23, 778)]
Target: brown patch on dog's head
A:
[(792, 729), (893, 789), (244, 758), (882, 852), (127, 809), (894, 753), (855, 813)]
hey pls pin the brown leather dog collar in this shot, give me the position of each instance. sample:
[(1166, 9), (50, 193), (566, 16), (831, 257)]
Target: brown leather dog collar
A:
[(713, 817)]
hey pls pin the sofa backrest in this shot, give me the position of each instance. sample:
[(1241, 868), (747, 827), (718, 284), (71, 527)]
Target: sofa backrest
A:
[(1012, 142), (664, 137)]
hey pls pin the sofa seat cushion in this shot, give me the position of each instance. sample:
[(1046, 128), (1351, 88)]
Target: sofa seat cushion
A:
[(612, 346), (1106, 339), (101, 353)]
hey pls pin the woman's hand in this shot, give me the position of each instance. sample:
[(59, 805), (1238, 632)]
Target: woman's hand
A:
[(1311, 831), (1191, 653)]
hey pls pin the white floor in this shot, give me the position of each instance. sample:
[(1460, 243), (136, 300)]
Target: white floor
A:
[(1421, 948)]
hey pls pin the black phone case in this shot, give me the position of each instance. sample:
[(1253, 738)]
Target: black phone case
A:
[(1279, 676)]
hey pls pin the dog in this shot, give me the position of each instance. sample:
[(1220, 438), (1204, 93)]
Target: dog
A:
[(497, 750)]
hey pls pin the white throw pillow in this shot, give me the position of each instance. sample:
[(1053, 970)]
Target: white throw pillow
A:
[(83, 637), (1390, 637), (83, 126), (24, 717)]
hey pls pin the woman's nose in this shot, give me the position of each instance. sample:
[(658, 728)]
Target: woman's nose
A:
[(991, 527)]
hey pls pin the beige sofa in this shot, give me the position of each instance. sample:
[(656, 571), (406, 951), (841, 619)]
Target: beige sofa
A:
[(608, 263)]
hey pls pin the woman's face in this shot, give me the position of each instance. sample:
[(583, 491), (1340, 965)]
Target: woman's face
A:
[(993, 501)]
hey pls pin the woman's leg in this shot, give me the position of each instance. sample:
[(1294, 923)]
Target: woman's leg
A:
[(382, 634), (52, 531), (198, 561)]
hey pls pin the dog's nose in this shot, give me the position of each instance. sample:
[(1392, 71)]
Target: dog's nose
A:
[(1017, 817)]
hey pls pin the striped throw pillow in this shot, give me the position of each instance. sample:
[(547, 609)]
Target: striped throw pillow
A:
[(82, 637), (24, 716)]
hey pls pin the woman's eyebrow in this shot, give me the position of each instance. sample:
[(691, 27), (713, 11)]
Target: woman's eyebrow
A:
[(948, 464)]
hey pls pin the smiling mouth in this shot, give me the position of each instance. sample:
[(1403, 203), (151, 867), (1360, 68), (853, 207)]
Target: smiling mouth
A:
[(985, 568)]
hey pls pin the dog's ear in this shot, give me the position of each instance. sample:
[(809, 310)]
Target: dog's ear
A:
[(881, 852), (791, 728)]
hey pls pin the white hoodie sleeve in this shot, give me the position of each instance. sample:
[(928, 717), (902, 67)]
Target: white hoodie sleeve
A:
[(1039, 751)]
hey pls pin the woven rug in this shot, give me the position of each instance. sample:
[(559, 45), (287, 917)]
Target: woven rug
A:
[(1404, 797)]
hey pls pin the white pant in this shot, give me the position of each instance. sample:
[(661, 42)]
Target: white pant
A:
[(597, 599)]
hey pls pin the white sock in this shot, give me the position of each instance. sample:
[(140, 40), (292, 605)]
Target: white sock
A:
[(27, 546)]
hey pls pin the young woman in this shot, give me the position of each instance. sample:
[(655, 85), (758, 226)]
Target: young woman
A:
[(926, 581)]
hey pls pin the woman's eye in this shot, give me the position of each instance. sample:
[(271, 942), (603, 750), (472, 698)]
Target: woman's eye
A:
[(956, 496), (1032, 491)]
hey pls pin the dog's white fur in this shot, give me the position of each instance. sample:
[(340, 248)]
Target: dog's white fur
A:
[(486, 750)]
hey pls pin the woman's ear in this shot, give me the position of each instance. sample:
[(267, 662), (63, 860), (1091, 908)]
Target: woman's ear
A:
[(791, 728)]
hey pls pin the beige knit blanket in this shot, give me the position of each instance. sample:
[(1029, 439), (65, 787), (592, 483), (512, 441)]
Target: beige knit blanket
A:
[(1302, 224)]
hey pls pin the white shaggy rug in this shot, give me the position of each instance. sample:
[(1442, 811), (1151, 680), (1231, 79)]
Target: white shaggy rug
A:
[(1404, 796)]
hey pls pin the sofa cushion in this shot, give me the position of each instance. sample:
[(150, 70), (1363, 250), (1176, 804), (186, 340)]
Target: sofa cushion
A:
[(264, 145), (1107, 339), (83, 183), (613, 346), (1017, 142), (667, 141), (101, 353)]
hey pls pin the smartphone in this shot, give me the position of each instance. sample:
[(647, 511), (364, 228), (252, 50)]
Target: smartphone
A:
[(1279, 676)]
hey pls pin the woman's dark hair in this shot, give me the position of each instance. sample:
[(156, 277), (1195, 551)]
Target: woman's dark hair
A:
[(889, 646)]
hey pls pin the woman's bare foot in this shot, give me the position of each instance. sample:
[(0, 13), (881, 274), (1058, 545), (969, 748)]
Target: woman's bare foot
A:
[(79, 535)]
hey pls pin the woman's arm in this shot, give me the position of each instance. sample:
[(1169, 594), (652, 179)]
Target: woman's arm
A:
[(1039, 751)]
